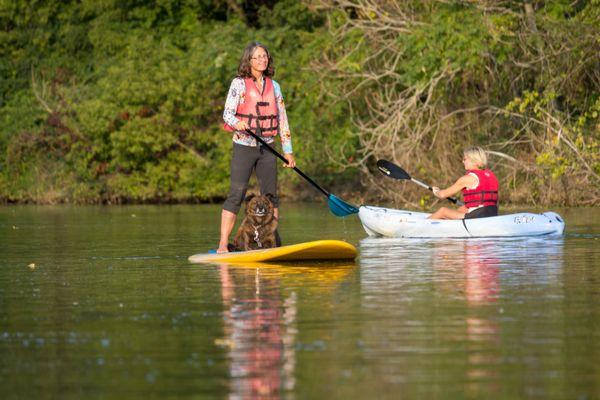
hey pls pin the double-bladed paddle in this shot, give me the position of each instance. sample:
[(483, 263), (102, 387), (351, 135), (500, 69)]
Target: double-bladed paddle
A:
[(393, 171), (336, 205)]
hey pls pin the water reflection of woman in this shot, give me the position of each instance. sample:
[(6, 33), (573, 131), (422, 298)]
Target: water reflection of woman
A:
[(476, 264), (260, 331), (472, 263), (481, 274)]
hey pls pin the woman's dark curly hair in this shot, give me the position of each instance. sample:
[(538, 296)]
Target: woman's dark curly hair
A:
[(244, 70)]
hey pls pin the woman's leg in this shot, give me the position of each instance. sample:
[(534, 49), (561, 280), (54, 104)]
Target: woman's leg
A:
[(447, 213), (266, 174), (242, 164), (227, 223)]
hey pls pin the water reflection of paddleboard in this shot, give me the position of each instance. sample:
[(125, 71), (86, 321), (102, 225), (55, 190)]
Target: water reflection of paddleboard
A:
[(317, 250)]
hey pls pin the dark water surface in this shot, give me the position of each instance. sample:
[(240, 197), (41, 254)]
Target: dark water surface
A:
[(100, 302)]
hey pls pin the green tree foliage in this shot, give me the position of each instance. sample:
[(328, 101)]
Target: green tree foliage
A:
[(115, 101), (112, 101)]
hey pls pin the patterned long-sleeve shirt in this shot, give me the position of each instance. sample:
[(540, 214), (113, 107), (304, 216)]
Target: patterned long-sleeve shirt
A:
[(236, 95)]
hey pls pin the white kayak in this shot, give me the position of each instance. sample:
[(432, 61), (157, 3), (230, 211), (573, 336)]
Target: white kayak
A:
[(389, 222)]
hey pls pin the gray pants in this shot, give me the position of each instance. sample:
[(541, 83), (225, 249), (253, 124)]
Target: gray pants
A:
[(246, 159)]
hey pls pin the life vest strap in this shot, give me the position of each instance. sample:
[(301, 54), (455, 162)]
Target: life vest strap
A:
[(484, 192), (267, 129), (480, 197), (258, 117)]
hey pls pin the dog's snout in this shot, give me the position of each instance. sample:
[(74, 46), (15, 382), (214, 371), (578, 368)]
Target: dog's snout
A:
[(261, 209)]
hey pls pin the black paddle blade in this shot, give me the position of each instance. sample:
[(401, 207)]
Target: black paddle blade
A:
[(392, 170)]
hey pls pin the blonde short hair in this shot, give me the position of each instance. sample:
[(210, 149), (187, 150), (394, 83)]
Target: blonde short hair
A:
[(476, 155)]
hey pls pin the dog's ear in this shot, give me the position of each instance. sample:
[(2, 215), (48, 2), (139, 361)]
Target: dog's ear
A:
[(271, 197), (249, 197)]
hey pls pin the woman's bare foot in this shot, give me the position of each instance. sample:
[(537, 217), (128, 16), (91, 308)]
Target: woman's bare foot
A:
[(222, 249)]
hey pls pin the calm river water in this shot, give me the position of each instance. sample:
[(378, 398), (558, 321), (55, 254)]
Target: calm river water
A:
[(100, 302)]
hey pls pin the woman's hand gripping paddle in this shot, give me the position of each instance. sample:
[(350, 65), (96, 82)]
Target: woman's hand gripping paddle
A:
[(393, 171), (337, 206)]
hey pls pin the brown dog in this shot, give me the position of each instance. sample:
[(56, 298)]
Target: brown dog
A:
[(258, 230)]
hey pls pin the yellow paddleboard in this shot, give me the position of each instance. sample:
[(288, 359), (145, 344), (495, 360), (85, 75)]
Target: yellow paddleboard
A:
[(317, 250)]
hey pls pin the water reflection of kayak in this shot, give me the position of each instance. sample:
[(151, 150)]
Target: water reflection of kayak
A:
[(389, 222), (317, 250)]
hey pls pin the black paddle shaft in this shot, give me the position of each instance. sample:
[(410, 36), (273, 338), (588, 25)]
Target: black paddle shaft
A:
[(393, 171), (272, 150)]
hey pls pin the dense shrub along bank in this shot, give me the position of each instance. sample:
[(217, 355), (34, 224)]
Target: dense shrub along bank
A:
[(114, 101), (121, 101), (427, 78)]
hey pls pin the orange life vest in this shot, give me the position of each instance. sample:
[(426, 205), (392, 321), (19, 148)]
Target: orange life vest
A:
[(259, 110), (486, 193)]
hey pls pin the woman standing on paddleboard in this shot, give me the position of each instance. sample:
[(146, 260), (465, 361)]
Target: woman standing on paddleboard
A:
[(254, 102)]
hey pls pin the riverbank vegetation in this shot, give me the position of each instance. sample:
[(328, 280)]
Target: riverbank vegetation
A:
[(120, 101)]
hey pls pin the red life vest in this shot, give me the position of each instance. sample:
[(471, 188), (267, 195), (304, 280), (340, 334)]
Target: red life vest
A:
[(486, 193), (258, 110)]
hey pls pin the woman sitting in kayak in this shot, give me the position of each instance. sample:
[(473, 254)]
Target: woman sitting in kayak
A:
[(479, 187)]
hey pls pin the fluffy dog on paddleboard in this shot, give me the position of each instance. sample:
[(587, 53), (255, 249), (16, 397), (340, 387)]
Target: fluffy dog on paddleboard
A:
[(258, 230)]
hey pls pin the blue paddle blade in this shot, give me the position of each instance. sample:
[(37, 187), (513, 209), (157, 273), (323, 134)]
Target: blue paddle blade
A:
[(339, 207)]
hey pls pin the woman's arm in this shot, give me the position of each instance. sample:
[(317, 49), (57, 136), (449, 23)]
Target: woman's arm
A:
[(461, 183), (284, 127), (236, 91)]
